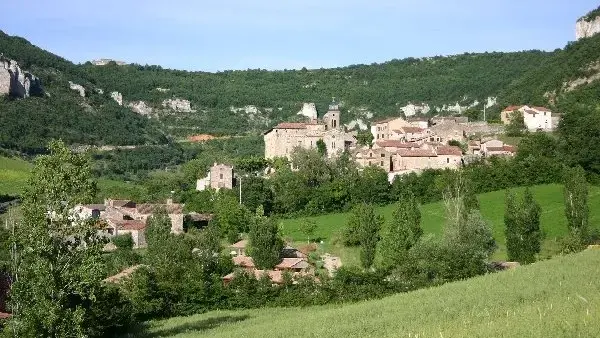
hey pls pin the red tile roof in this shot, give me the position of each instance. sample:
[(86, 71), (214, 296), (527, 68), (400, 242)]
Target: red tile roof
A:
[(409, 130), (292, 263), (397, 144), (509, 148), (449, 150), (541, 109), (147, 208), (291, 125), (243, 261), (240, 245), (416, 153), (512, 108), (131, 225)]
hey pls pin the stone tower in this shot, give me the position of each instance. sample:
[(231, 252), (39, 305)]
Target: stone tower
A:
[(332, 117)]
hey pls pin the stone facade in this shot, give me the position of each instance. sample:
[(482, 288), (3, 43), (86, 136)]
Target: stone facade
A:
[(219, 176), (281, 140)]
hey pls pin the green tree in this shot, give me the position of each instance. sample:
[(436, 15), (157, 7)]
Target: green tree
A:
[(265, 241), (372, 186), (522, 228), (308, 227), (364, 137), (58, 268), (368, 236), (231, 217), (251, 164), (576, 202), (321, 147), (516, 126), (402, 232)]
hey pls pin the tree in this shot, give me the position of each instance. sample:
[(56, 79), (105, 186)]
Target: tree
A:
[(576, 202), (364, 137), (231, 217), (251, 164), (265, 241), (522, 228), (363, 230), (321, 147), (516, 125), (402, 232), (308, 227), (58, 268), (372, 186)]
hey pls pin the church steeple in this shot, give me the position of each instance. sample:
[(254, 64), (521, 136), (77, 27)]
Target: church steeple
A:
[(332, 118)]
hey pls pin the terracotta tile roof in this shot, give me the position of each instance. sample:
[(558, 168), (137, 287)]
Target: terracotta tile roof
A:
[(4, 315), (449, 150), (131, 225), (416, 153), (243, 261), (509, 148), (494, 148), (512, 108), (409, 130), (292, 263), (239, 245), (147, 208), (397, 144), (541, 109), (291, 125), (532, 112), (123, 274), (122, 203)]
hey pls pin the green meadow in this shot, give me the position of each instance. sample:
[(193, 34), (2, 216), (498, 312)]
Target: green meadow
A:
[(553, 298), (553, 221)]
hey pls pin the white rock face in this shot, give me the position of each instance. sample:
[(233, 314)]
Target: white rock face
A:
[(178, 105), (309, 110), (78, 88), (357, 123), (413, 109), (586, 29), (141, 108), (491, 101), (118, 97), (252, 113), (16, 82)]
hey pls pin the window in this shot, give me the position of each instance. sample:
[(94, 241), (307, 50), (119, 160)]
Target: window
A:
[(369, 162), (382, 155), (220, 176), (381, 163), (447, 159)]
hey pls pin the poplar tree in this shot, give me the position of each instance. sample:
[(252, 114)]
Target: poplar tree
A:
[(368, 228), (265, 241), (58, 267), (576, 202), (402, 232), (522, 228)]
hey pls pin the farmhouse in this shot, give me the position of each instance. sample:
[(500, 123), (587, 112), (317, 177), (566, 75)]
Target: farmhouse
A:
[(283, 138), (535, 118)]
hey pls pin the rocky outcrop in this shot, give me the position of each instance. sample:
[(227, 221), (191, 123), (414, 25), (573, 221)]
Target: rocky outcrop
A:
[(413, 109), (78, 88), (141, 108), (587, 27), (309, 110), (16, 82), (117, 97), (162, 90), (104, 62), (178, 105)]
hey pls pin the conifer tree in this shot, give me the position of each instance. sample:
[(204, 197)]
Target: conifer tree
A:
[(265, 241), (368, 228)]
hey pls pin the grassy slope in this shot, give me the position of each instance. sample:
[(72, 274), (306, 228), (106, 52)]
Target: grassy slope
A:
[(550, 197), (14, 173), (554, 298)]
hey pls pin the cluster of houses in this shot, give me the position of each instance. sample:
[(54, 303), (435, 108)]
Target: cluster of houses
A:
[(402, 145), (293, 262), (120, 217)]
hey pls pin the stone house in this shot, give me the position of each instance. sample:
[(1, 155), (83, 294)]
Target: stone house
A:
[(535, 118), (136, 228), (383, 129), (496, 148), (220, 176), (375, 156), (281, 140)]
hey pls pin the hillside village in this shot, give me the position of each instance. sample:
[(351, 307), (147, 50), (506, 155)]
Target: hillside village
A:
[(180, 202)]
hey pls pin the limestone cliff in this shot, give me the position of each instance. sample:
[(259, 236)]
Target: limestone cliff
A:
[(16, 82), (587, 26), (77, 87), (178, 105)]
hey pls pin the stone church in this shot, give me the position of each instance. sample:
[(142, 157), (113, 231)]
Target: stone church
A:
[(281, 140)]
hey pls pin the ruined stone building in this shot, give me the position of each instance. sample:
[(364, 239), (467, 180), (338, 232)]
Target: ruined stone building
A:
[(219, 176), (281, 140)]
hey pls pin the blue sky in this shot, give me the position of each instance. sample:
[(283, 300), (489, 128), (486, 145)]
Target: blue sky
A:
[(277, 34)]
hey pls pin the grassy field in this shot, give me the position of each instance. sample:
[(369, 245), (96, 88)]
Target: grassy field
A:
[(14, 173), (553, 221), (554, 298)]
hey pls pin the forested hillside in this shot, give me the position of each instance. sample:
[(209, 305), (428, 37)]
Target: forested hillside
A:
[(27, 124), (568, 78)]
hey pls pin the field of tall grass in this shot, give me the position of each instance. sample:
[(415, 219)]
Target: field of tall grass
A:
[(554, 298), (553, 221)]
